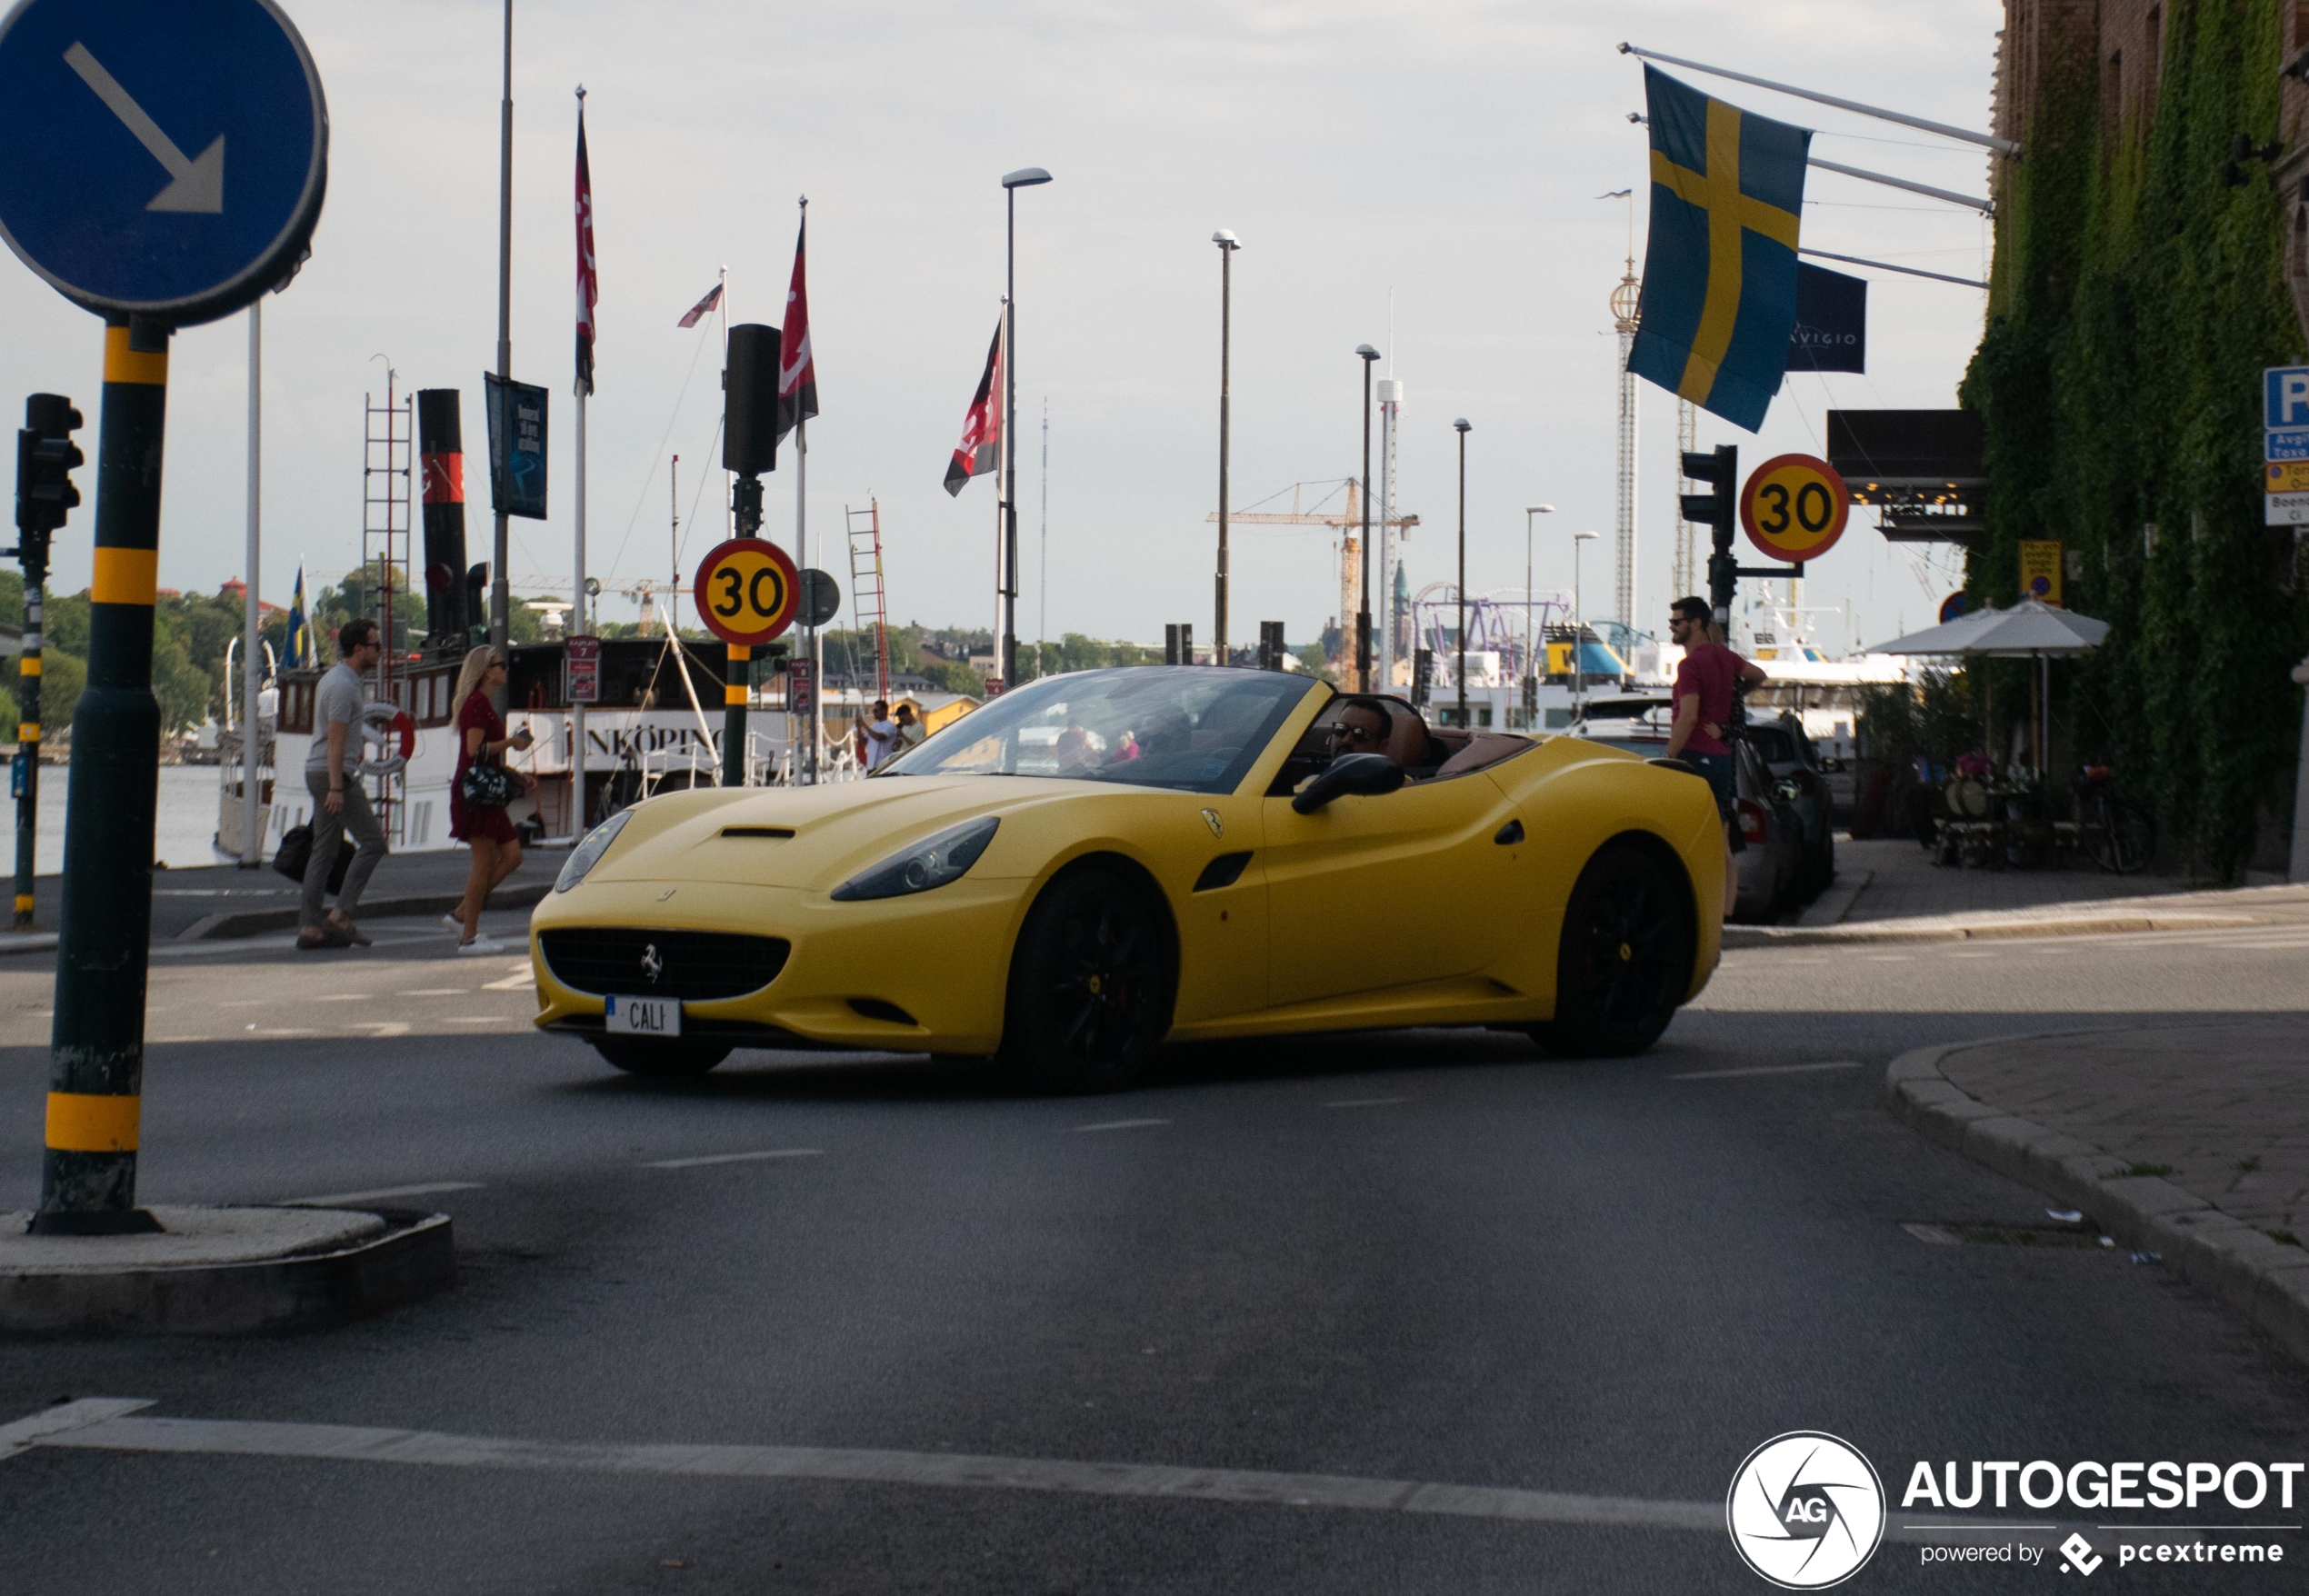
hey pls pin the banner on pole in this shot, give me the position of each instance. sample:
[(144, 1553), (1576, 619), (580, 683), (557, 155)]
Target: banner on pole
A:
[(517, 446)]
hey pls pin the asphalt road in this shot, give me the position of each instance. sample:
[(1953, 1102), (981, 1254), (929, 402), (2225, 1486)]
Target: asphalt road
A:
[(1415, 1256)]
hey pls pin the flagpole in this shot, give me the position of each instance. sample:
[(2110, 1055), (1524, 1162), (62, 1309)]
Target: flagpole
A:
[(500, 591), (1002, 496), (811, 643), (577, 593)]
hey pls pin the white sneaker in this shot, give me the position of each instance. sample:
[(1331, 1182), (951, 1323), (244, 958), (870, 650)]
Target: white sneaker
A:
[(454, 923), (482, 944)]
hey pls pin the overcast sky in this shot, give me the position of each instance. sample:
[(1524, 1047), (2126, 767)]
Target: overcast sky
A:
[(1442, 157)]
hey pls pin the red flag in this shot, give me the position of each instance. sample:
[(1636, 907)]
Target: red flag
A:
[(981, 447), (588, 284), (797, 372), (702, 307)]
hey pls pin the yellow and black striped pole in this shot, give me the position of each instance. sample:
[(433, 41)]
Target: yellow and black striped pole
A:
[(33, 552), (733, 715), (97, 1049)]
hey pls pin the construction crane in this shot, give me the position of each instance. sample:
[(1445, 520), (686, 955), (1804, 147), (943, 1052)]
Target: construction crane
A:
[(1349, 523)]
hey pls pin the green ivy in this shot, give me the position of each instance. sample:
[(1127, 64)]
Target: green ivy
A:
[(2138, 293)]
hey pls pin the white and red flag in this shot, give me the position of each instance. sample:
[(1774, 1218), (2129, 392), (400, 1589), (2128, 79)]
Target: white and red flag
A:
[(703, 308), (588, 284), (981, 447), (797, 370)]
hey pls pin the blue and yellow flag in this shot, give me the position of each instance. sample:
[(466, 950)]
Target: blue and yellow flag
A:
[(300, 630), (1720, 267)]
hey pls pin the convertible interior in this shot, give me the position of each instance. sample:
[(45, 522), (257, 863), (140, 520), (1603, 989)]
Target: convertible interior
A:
[(1426, 754)]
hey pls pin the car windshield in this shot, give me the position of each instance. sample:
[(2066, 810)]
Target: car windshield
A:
[(1196, 729)]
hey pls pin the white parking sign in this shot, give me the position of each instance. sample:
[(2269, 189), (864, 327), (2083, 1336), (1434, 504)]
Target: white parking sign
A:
[(2285, 397)]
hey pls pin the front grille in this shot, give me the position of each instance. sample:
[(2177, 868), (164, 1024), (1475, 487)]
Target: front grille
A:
[(694, 965)]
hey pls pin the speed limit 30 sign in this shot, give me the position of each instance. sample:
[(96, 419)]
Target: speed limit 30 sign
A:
[(747, 591), (1794, 507)]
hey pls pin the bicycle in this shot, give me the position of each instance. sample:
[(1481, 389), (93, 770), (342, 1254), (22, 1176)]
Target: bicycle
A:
[(2119, 836)]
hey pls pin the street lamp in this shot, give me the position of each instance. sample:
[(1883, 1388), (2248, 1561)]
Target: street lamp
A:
[(1363, 615), (1012, 181), (1462, 425), (1579, 652), (1531, 669), (1228, 244)]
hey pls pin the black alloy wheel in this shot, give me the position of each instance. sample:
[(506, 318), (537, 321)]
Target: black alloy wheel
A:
[(660, 1060), (1090, 985), (1625, 960)]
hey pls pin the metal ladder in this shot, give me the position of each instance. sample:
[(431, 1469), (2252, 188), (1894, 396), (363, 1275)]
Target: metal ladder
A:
[(867, 607)]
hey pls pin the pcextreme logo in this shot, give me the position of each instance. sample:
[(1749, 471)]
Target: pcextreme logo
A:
[(1805, 1510)]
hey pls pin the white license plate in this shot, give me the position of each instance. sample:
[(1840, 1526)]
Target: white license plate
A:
[(642, 1016)]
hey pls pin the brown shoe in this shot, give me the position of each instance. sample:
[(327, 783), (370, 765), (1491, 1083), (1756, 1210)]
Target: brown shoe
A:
[(342, 924), (312, 938)]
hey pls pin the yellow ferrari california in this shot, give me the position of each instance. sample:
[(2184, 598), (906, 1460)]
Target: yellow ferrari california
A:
[(1099, 862)]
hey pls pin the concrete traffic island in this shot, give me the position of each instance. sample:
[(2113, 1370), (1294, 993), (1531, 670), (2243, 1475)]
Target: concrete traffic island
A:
[(223, 1272), (2188, 1140)]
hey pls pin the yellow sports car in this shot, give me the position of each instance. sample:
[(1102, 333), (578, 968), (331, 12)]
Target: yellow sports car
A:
[(1100, 861)]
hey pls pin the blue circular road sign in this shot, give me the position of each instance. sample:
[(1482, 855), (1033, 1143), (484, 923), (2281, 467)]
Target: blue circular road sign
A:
[(163, 158)]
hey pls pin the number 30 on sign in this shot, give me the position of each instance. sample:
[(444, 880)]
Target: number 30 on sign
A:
[(1794, 507), (747, 591)]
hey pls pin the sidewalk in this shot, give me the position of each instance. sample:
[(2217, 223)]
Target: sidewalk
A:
[(2190, 1141), (226, 901), (1903, 883)]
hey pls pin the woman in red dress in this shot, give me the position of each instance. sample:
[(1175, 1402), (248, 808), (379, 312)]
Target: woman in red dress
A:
[(484, 827)]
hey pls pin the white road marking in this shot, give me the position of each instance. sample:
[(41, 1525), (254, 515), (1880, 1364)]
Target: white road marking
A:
[(439, 992), (1122, 1125), (478, 1018), (1890, 958), (1764, 1070), (1934, 1235), (691, 1164), (380, 1029), (1366, 1102), (513, 982), (83, 1425), (25, 1433), (338, 1199), (341, 997)]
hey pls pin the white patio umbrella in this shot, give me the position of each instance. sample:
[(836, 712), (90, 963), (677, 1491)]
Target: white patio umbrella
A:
[(2031, 629)]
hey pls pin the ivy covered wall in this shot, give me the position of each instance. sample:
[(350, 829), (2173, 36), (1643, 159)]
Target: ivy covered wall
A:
[(2137, 293)]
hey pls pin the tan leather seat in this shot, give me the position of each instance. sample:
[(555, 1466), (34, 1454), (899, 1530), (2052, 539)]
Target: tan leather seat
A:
[(1406, 735), (1483, 748)]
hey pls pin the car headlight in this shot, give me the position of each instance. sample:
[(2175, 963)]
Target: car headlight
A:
[(931, 863), (587, 853)]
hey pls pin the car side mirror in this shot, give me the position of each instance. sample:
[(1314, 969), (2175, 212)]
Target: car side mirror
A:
[(1366, 774)]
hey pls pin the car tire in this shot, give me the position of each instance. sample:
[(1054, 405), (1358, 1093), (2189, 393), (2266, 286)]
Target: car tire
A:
[(1091, 985), (660, 1060), (1624, 963)]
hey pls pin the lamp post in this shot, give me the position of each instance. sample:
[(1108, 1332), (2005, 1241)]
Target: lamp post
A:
[(1012, 181), (1531, 670), (1463, 428), (1362, 614), (1579, 653), (1228, 244)]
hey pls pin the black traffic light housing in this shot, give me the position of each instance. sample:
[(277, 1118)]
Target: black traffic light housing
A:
[(45, 459), (1719, 511)]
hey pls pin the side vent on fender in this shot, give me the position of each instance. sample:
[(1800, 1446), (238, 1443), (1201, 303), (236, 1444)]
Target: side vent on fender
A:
[(1510, 834), (1223, 872), (876, 1009)]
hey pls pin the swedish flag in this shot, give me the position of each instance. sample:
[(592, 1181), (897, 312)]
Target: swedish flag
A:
[(1720, 267), (301, 655)]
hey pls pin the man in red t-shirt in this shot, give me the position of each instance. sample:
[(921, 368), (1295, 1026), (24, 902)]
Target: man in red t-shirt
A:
[(1702, 699)]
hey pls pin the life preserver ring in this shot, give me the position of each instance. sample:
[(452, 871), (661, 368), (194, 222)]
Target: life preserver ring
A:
[(389, 729)]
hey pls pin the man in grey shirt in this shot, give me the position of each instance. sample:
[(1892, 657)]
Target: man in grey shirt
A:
[(340, 804)]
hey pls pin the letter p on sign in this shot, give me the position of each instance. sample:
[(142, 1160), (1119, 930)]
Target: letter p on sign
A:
[(2284, 396)]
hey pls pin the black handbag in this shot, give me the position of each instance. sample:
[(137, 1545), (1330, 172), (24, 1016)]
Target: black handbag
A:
[(489, 786), (296, 853)]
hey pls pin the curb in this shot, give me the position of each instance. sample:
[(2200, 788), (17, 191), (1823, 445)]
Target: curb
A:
[(1940, 931), (414, 1259), (27, 941), (2263, 1279), (236, 923)]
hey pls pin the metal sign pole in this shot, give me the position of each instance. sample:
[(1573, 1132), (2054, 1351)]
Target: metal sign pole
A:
[(252, 635), (96, 1051)]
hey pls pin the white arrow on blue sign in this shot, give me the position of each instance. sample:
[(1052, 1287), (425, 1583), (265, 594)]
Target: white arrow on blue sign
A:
[(163, 158)]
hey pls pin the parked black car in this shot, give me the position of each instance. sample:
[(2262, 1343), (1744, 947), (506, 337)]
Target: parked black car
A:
[(1797, 772)]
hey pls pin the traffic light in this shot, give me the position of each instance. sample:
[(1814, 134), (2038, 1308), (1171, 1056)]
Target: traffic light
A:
[(45, 459), (1719, 511)]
